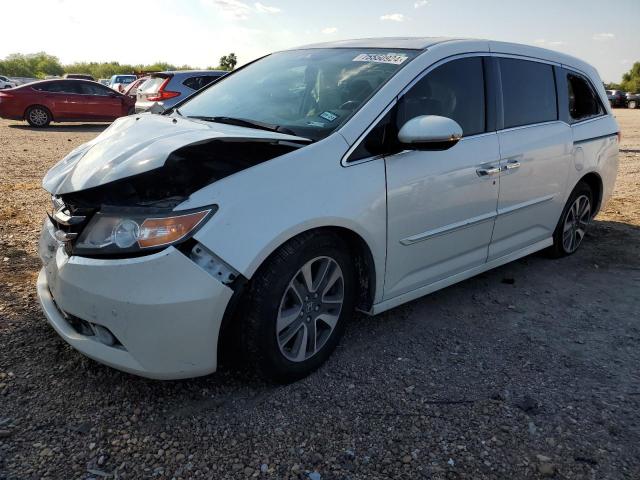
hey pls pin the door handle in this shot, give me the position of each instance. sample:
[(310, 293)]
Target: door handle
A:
[(487, 171), (512, 165)]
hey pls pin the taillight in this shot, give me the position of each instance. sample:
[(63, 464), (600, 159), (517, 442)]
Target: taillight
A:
[(163, 94)]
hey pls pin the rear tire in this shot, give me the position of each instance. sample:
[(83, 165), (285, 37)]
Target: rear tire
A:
[(38, 116), (633, 104), (574, 222), (296, 307)]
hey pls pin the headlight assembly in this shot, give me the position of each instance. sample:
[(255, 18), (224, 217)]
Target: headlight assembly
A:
[(113, 233)]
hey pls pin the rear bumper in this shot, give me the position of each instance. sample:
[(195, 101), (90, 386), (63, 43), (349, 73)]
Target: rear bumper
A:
[(145, 106), (164, 310)]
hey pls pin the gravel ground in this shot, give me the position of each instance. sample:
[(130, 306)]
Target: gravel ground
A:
[(531, 370)]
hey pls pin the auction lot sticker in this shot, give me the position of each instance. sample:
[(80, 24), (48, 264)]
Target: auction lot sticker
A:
[(393, 58)]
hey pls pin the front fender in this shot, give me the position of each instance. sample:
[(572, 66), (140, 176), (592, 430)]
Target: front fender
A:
[(264, 206)]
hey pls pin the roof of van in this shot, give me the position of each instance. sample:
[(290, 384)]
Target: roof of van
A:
[(412, 43), (423, 43), (192, 72)]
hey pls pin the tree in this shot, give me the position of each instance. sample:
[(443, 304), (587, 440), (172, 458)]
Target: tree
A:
[(33, 65), (228, 62), (42, 64), (631, 79)]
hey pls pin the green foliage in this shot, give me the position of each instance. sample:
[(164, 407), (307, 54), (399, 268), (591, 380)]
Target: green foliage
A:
[(631, 79), (228, 62), (39, 65), (33, 65)]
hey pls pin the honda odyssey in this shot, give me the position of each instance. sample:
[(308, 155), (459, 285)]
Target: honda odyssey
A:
[(355, 175)]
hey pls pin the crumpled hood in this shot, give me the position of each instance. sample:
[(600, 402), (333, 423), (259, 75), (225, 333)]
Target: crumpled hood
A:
[(139, 143)]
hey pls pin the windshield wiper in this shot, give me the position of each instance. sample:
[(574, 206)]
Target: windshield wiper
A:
[(244, 122)]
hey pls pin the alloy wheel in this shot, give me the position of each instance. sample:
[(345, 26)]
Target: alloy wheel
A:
[(38, 117), (576, 223), (310, 308)]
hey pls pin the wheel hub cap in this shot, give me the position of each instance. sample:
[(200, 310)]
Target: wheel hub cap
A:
[(310, 308), (576, 223)]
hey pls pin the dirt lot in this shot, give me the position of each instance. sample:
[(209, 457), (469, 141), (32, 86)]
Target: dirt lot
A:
[(530, 370)]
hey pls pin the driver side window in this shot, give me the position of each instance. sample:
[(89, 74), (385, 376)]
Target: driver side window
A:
[(454, 90)]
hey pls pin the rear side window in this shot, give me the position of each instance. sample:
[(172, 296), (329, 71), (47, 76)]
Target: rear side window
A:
[(583, 101), (454, 90), (90, 89), (528, 92), (68, 86), (196, 83), (152, 85)]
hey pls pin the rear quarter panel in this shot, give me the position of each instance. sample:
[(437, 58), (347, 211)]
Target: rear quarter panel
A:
[(596, 150)]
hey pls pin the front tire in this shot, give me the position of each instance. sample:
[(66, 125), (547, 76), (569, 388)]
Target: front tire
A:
[(38, 116), (297, 306), (574, 222), (632, 104)]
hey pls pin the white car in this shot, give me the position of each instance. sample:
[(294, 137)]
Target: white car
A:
[(262, 211), (5, 82), (119, 83)]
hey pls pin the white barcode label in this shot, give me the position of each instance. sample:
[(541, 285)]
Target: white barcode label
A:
[(393, 58)]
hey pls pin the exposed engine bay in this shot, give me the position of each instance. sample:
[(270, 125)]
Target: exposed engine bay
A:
[(185, 171)]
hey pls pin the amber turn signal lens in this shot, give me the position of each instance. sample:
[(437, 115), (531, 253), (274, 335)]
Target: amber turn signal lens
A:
[(155, 232)]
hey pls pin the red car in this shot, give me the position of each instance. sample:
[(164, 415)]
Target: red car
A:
[(132, 89), (40, 103)]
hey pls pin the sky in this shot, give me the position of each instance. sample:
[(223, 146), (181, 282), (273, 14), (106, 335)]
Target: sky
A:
[(199, 32)]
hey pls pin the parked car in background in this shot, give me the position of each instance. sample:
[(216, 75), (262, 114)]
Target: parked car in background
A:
[(64, 100), (23, 80), (617, 98), (633, 100), (168, 88), (132, 89), (79, 76), (363, 174), (120, 82), (104, 81), (5, 82)]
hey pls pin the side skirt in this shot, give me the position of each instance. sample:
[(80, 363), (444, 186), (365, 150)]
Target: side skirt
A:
[(458, 277)]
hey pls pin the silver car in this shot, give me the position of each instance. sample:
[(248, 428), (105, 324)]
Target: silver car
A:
[(168, 88)]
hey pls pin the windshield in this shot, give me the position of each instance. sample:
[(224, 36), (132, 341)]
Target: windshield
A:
[(309, 92)]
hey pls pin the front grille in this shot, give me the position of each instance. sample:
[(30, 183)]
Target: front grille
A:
[(69, 221)]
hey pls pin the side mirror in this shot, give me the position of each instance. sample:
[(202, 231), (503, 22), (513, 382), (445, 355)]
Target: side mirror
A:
[(430, 132)]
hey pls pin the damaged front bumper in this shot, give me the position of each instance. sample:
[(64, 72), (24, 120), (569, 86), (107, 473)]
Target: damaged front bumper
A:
[(157, 316)]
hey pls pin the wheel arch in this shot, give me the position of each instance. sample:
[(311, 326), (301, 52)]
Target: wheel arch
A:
[(24, 114), (594, 181), (365, 272)]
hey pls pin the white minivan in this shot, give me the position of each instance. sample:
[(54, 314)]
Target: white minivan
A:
[(262, 211)]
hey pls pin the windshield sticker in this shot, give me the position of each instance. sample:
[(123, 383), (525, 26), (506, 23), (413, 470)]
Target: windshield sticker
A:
[(329, 116), (392, 58)]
